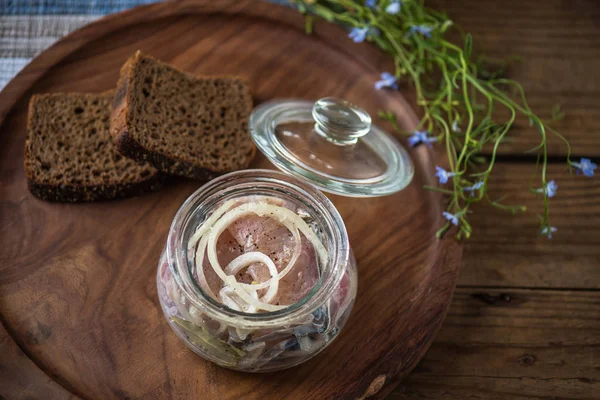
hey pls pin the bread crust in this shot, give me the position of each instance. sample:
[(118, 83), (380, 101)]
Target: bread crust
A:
[(72, 193), (129, 147), (76, 194)]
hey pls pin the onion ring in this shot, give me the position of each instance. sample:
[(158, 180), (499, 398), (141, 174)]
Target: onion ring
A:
[(210, 231), (247, 259)]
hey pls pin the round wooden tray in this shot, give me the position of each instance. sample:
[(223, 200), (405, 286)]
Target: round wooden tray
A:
[(78, 298)]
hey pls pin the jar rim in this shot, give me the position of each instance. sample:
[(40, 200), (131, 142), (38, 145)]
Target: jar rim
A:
[(237, 184)]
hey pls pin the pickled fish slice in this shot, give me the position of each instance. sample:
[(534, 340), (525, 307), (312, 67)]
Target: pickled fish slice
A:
[(268, 236)]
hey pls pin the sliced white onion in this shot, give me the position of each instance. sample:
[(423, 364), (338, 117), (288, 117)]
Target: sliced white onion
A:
[(222, 328), (259, 305), (252, 257), (200, 269), (232, 300), (206, 225), (226, 298)]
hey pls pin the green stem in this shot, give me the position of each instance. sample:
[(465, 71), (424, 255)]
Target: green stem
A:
[(460, 94)]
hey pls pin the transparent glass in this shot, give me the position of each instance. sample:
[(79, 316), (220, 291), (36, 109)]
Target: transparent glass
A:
[(332, 144), (267, 341)]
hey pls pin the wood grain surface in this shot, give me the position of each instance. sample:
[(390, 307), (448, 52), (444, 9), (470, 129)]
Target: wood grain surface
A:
[(543, 340), (557, 60), (512, 344), (21, 378), (536, 343), (77, 282), (507, 250)]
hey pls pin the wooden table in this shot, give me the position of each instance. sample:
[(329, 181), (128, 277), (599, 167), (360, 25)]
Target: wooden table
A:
[(525, 320)]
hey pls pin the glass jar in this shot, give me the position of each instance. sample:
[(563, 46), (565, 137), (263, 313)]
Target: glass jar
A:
[(257, 342)]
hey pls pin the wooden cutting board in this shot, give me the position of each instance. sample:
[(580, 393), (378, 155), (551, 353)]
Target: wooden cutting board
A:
[(78, 299)]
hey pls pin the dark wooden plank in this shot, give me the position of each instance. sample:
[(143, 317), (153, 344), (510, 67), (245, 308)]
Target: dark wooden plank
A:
[(506, 250), (513, 344), (558, 43), (77, 282)]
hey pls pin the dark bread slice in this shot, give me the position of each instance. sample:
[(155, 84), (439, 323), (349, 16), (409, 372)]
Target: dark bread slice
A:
[(195, 127), (69, 155)]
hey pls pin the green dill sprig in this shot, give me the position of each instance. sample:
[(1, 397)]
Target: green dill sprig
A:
[(459, 98)]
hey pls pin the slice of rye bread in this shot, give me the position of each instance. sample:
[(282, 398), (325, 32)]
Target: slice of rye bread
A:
[(195, 127), (69, 155)]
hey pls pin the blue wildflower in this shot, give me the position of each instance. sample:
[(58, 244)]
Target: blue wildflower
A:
[(371, 3), (360, 34), (473, 188), (387, 80), (548, 230), (451, 217), (551, 188), (393, 7), (586, 166), (422, 29), (443, 175), (421, 137)]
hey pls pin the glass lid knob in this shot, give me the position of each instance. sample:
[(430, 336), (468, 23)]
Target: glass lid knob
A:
[(340, 121)]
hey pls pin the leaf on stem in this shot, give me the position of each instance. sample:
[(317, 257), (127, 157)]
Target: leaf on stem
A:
[(468, 46), (446, 25), (557, 113), (535, 121), (308, 24)]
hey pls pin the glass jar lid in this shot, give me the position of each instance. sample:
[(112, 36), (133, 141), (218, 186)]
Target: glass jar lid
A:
[(333, 145)]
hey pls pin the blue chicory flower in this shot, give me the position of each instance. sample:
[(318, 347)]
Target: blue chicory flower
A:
[(394, 7), (387, 80), (586, 166), (548, 230), (422, 29), (443, 175), (451, 217), (421, 137), (371, 3), (473, 188)]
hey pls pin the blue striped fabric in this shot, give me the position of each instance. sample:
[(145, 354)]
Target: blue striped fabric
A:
[(67, 7), (72, 7)]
